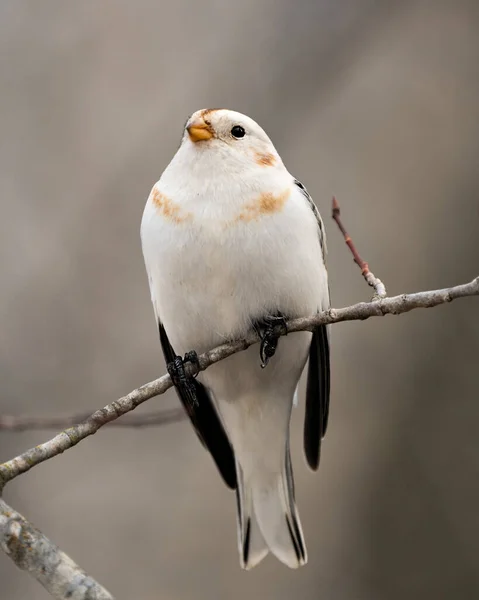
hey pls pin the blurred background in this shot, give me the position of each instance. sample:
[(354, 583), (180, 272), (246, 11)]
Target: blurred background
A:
[(376, 102)]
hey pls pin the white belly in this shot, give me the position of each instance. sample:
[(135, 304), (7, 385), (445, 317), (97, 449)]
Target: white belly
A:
[(209, 280)]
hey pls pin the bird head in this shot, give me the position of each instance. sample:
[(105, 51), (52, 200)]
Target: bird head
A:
[(229, 136)]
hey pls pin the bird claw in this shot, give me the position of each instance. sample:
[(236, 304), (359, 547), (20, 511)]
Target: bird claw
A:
[(182, 381), (192, 358), (268, 332)]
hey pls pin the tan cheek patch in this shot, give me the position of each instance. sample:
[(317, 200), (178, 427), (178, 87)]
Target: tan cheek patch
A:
[(168, 208), (264, 159), (266, 204)]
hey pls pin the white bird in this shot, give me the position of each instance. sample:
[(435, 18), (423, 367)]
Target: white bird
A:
[(231, 241)]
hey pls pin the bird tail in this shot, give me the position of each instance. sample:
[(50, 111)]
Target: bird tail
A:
[(267, 517)]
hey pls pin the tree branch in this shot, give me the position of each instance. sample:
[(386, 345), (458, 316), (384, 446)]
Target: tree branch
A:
[(32, 551), (361, 311)]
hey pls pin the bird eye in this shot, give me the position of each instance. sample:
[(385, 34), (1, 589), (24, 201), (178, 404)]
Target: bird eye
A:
[(238, 131)]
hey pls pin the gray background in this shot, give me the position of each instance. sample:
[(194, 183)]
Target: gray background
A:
[(376, 102)]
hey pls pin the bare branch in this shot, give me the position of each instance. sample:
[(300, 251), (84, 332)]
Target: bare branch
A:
[(374, 282), (72, 436), (14, 423), (32, 551)]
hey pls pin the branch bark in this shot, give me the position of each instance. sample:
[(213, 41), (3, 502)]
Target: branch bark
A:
[(34, 552)]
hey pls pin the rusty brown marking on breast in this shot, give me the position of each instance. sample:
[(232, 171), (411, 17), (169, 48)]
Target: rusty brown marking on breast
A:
[(266, 204), (264, 159), (168, 208)]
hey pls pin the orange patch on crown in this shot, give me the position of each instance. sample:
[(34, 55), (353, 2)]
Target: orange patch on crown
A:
[(206, 111), (264, 159), (266, 204), (167, 208)]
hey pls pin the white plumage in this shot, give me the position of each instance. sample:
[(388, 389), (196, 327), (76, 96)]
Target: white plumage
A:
[(230, 237)]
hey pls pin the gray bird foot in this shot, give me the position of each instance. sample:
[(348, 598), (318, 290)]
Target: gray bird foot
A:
[(270, 329), (182, 381)]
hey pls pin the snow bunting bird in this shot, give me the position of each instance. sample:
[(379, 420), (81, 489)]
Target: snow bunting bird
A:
[(232, 242)]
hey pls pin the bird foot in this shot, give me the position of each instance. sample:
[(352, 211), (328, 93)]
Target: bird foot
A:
[(270, 328), (182, 381)]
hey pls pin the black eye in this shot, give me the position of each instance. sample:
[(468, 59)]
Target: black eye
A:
[(238, 131)]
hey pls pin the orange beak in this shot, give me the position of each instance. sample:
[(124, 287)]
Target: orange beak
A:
[(199, 131)]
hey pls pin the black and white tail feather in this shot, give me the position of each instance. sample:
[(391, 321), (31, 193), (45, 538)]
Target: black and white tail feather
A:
[(268, 519)]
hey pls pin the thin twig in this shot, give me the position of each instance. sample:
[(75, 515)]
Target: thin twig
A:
[(19, 423), (32, 551), (72, 436), (374, 282)]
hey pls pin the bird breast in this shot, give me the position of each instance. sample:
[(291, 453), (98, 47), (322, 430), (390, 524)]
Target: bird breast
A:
[(214, 271)]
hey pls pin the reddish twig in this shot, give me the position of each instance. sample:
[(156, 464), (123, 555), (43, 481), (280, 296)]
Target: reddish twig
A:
[(19, 423), (374, 282)]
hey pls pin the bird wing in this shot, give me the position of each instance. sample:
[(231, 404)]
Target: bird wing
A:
[(318, 383), (205, 420)]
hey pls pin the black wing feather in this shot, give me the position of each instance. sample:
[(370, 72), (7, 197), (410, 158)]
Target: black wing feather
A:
[(317, 396), (205, 421), (319, 381)]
